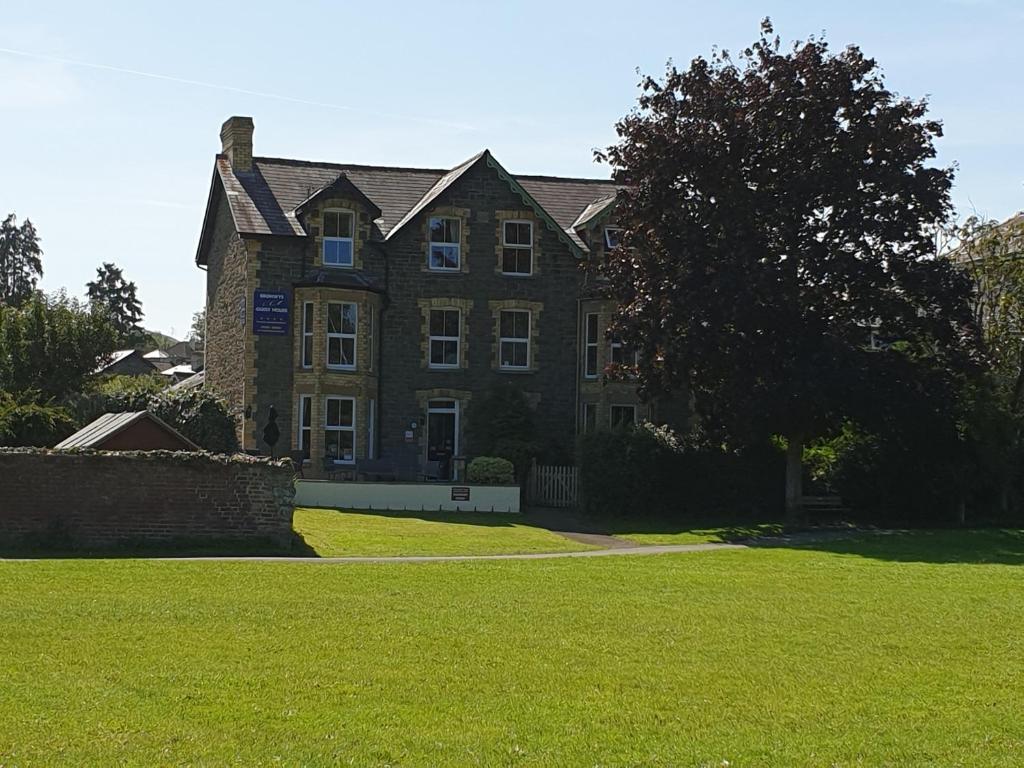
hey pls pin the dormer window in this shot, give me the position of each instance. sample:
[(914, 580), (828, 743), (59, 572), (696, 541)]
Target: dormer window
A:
[(337, 238), (612, 235), (444, 243)]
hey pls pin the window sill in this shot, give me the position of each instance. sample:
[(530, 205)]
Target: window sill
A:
[(516, 370)]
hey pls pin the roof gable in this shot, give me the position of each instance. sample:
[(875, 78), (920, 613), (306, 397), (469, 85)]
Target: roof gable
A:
[(110, 424), (343, 187)]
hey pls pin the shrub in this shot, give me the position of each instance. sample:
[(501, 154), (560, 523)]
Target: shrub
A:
[(651, 471), (501, 424), (490, 470), (200, 415), (31, 424)]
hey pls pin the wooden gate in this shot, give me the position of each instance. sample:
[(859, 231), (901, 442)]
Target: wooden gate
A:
[(552, 486)]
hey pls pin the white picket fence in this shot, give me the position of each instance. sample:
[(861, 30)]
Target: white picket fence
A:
[(552, 486)]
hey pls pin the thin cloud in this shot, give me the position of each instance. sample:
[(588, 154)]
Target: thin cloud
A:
[(233, 89)]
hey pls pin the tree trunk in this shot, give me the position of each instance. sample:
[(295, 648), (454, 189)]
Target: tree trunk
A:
[(794, 479)]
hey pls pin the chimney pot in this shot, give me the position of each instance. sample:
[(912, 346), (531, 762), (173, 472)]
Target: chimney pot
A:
[(236, 142)]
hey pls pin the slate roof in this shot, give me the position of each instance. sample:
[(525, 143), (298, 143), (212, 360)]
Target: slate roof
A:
[(117, 357), (109, 424), (263, 201)]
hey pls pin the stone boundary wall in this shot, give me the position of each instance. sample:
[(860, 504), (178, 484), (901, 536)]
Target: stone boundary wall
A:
[(82, 498)]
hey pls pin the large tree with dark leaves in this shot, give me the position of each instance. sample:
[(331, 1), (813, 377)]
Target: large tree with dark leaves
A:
[(20, 262), (117, 297), (777, 207)]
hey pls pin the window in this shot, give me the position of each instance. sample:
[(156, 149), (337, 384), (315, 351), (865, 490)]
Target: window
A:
[(371, 430), (371, 313), (337, 238), (622, 416), (444, 243), (444, 338), (305, 424), (307, 334), (514, 338), (612, 236), (589, 418), (590, 346), (340, 430), (517, 248), (620, 354), (341, 335)]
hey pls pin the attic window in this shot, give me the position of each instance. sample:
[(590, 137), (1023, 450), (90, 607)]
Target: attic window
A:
[(517, 248), (444, 243), (612, 235), (337, 238)]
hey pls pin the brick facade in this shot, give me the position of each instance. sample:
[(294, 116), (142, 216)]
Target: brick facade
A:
[(134, 497)]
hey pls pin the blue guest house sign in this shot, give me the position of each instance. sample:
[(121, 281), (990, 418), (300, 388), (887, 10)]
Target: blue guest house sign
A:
[(270, 313)]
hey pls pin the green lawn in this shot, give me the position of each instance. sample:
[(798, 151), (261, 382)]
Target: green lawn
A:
[(896, 650), (334, 533), (661, 533)]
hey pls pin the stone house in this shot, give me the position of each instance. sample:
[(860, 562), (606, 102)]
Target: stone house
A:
[(371, 305)]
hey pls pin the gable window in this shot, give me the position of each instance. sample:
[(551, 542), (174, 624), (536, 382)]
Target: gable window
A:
[(341, 335), (307, 334), (622, 416), (612, 236), (305, 424), (517, 248), (340, 430), (444, 243), (445, 328), (337, 237), (590, 346), (620, 354), (514, 339)]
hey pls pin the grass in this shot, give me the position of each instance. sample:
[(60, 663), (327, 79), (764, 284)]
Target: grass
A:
[(899, 650), (334, 533), (661, 533)]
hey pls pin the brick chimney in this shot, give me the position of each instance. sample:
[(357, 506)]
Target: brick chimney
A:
[(236, 142)]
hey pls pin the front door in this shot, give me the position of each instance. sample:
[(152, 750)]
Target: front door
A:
[(442, 434)]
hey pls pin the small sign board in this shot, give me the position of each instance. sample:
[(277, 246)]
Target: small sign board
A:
[(270, 313), (460, 493)]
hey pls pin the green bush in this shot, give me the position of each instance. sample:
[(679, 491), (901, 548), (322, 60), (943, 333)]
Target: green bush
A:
[(30, 424), (501, 424), (652, 472), (490, 470), (200, 415)]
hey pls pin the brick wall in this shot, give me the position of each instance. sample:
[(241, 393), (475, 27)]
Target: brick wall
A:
[(97, 499)]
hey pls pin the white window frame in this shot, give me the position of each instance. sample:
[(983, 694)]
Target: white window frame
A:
[(439, 405), (456, 246), (457, 338), (505, 245), (341, 335), (611, 412), (371, 429), (590, 344), (350, 240), (607, 242), (502, 340), (340, 428), (370, 313), (305, 433), (307, 334), (616, 344), (588, 409)]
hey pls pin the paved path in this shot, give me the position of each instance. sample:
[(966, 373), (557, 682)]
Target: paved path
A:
[(655, 549)]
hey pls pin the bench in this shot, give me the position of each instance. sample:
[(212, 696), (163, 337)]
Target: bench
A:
[(831, 507)]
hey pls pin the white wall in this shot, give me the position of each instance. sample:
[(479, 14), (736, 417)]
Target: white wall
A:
[(405, 496)]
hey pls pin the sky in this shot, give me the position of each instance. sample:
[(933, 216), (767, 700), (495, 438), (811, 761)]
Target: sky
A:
[(110, 112)]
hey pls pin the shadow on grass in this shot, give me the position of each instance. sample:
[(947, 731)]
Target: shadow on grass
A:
[(295, 546), (489, 519), (980, 546)]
